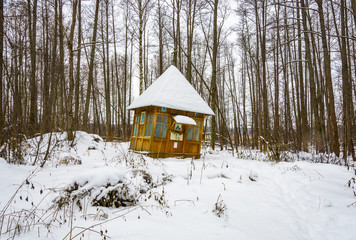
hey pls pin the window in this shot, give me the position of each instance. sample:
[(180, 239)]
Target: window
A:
[(161, 126), (149, 126), (190, 134), (196, 134), (164, 110), (193, 133), (143, 115), (137, 119)]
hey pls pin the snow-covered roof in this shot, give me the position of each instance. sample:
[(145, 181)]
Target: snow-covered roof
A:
[(184, 120), (172, 90)]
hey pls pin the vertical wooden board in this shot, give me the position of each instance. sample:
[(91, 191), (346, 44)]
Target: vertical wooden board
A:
[(162, 147), (188, 147), (158, 146), (165, 146), (144, 127), (184, 138), (187, 144), (192, 147), (145, 144), (154, 146), (201, 132), (139, 144), (168, 134), (152, 129), (135, 146), (140, 130), (195, 148), (173, 149)]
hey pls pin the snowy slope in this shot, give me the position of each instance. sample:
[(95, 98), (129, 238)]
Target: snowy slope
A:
[(297, 200), (172, 90)]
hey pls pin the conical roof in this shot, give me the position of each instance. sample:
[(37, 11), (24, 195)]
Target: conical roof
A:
[(172, 90)]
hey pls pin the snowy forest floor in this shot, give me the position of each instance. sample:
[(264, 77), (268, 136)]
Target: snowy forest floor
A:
[(216, 197)]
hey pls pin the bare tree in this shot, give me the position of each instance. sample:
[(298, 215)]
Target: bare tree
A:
[(334, 137), (213, 85), (70, 122), (32, 17), (2, 114), (142, 7), (91, 67)]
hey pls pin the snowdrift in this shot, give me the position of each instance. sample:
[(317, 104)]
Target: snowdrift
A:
[(117, 194), (59, 149)]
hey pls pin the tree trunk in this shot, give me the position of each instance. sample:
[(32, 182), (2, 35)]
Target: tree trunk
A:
[(121, 106), (77, 80), (191, 8), (334, 137), (46, 75), (276, 79), (50, 109), (61, 99), (314, 106), (91, 68), (2, 113), (213, 86), (264, 72), (33, 86), (346, 89), (71, 73), (107, 85), (140, 42), (160, 39)]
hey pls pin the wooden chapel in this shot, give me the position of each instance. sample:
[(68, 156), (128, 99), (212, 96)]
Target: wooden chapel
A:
[(169, 118)]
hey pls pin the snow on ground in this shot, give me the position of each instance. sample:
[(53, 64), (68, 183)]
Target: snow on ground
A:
[(258, 200)]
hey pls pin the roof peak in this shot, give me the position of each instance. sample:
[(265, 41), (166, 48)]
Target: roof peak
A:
[(172, 90)]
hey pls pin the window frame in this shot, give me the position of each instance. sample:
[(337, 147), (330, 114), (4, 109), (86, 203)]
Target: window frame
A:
[(135, 127), (149, 124), (143, 118), (195, 129), (161, 125)]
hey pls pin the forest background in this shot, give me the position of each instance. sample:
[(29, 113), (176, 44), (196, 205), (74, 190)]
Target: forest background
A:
[(279, 75)]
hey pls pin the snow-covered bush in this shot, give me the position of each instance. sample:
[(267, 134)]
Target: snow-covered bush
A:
[(251, 154), (128, 158), (56, 147), (314, 157), (287, 156), (110, 187)]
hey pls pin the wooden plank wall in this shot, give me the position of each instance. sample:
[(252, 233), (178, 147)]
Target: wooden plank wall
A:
[(158, 147)]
